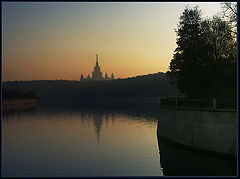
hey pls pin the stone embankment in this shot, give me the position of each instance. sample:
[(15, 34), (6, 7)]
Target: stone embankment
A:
[(209, 131)]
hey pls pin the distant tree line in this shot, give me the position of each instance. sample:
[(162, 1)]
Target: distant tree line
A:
[(151, 85), (204, 63), (17, 94)]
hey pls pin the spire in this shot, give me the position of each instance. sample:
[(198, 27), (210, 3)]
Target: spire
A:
[(96, 59)]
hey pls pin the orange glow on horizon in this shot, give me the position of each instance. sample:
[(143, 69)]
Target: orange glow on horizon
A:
[(49, 41)]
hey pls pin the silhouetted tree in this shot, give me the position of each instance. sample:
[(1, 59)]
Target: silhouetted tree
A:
[(222, 56), (205, 57), (229, 10), (187, 56)]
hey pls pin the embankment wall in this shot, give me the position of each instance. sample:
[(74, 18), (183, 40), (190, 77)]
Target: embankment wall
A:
[(210, 131)]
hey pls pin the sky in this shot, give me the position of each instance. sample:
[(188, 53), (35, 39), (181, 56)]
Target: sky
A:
[(50, 40)]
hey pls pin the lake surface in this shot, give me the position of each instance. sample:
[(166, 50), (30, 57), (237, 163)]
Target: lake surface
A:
[(75, 138)]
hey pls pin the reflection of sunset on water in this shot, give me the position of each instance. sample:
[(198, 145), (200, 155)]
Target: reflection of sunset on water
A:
[(102, 140)]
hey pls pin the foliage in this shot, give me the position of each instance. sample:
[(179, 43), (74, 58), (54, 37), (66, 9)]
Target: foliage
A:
[(229, 10), (204, 62)]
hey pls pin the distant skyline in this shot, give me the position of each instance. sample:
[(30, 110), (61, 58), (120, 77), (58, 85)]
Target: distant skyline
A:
[(60, 40)]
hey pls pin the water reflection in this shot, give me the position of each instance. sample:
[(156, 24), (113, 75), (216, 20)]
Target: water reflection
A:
[(178, 161), (73, 139), (97, 121)]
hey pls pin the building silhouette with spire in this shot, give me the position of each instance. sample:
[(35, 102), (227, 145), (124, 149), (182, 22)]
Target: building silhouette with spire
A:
[(97, 74)]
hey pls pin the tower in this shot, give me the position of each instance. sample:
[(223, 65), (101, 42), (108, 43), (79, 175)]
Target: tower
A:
[(97, 74), (106, 76), (112, 76), (82, 77)]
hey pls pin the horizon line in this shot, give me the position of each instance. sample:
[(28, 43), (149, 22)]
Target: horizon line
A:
[(78, 80)]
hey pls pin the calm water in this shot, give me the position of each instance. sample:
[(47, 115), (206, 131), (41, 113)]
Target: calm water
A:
[(72, 139)]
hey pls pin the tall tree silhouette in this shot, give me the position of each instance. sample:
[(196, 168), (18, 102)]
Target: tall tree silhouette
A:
[(229, 10), (203, 64)]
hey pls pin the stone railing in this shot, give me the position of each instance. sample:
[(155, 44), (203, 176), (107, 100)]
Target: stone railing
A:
[(210, 103)]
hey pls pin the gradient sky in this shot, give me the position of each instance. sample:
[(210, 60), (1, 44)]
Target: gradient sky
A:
[(60, 40)]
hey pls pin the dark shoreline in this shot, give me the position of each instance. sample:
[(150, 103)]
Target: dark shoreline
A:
[(18, 103)]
